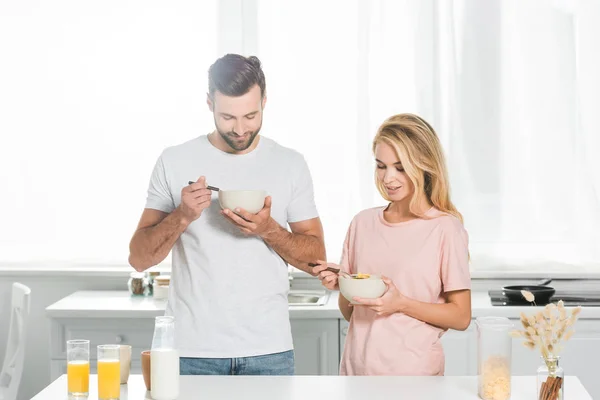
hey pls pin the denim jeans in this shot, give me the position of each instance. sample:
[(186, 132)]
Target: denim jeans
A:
[(269, 364)]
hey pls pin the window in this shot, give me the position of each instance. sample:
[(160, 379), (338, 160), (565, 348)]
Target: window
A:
[(507, 85), (90, 94), (94, 92)]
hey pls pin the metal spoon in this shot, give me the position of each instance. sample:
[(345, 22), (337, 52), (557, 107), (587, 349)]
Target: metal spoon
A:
[(214, 189)]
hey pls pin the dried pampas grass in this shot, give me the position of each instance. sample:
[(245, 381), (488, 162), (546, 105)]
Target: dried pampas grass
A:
[(547, 330)]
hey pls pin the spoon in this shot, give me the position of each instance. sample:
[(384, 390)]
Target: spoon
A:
[(330, 269), (214, 189)]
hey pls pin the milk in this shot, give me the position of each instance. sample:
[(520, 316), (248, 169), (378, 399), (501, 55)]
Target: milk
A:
[(164, 374)]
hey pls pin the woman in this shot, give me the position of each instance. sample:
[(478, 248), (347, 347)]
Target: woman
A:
[(419, 246)]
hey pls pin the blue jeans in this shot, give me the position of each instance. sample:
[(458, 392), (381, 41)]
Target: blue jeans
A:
[(269, 364)]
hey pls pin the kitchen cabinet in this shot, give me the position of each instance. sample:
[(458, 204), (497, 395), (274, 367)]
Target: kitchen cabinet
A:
[(316, 345), (460, 349), (343, 333), (316, 341), (318, 332), (112, 317), (136, 332)]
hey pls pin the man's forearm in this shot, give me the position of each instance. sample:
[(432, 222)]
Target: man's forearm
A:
[(149, 246), (295, 248)]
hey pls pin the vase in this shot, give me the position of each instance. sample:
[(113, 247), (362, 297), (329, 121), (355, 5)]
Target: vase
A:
[(550, 379)]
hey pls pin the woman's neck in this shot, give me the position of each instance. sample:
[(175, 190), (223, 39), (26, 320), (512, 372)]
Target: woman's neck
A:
[(399, 211)]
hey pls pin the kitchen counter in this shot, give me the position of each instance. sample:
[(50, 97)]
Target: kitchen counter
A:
[(320, 388), (116, 317), (119, 304), (318, 332)]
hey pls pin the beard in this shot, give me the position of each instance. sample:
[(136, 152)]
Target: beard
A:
[(238, 142)]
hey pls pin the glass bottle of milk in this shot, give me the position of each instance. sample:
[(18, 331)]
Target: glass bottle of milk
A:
[(164, 360)]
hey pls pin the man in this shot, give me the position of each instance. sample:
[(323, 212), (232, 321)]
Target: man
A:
[(229, 276)]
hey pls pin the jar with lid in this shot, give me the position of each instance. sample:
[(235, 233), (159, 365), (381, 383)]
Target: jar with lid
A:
[(494, 353), (162, 280), (138, 284), (161, 287)]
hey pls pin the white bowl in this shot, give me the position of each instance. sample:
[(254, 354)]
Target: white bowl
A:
[(367, 288), (250, 200)]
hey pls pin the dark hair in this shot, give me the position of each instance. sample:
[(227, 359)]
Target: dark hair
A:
[(234, 75)]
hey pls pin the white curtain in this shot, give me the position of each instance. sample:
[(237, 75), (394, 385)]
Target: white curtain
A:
[(90, 93), (509, 85)]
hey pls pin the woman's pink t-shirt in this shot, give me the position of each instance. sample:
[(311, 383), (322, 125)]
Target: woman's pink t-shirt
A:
[(424, 258)]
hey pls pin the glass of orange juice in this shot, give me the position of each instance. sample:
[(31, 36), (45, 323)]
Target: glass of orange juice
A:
[(78, 368), (109, 372)]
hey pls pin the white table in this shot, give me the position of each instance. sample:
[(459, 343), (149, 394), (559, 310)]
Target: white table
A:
[(321, 387)]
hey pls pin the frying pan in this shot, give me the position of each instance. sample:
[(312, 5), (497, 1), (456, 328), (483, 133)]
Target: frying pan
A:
[(541, 292)]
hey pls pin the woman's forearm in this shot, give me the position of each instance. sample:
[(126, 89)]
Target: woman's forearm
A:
[(444, 315)]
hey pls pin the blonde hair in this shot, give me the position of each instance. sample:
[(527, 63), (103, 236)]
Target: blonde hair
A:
[(418, 148)]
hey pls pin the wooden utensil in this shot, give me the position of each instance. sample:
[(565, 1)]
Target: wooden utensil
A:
[(330, 269), (214, 189)]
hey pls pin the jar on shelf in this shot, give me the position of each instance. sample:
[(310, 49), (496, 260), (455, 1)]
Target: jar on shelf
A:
[(161, 287), (151, 276), (138, 284)]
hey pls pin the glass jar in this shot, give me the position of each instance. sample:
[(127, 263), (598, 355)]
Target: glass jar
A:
[(494, 352), (161, 287), (550, 379), (138, 284), (151, 276)]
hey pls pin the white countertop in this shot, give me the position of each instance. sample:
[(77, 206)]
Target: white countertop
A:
[(119, 304), (320, 388)]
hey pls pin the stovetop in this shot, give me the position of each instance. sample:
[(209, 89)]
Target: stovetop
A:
[(571, 298)]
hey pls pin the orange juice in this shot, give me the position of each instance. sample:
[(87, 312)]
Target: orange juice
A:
[(109, 379), (78, 377)]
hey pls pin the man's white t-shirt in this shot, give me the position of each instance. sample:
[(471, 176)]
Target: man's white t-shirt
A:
[(228, 291)]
